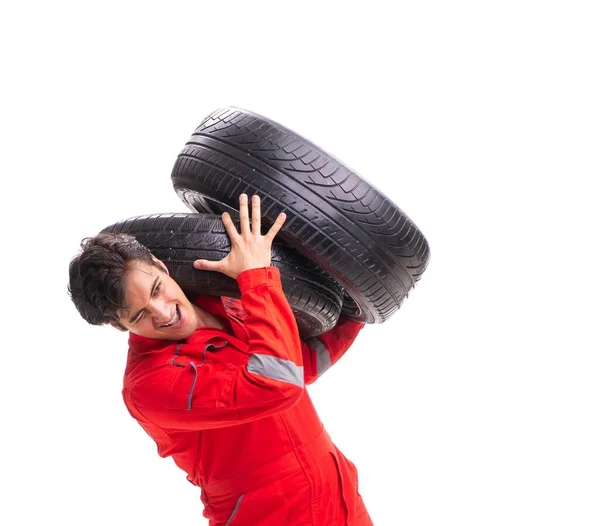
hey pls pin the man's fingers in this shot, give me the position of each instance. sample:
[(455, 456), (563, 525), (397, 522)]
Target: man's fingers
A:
[(207, 264), (256, 215), (270, 235), (229, 227), (244, 219)]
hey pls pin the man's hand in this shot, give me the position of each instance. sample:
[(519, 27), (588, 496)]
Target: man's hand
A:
[(249, 249)]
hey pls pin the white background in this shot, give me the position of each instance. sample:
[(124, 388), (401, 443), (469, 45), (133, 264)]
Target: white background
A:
[(478, 402)]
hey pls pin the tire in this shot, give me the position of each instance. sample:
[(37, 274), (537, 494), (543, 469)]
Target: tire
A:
[(179, 239), (334, 217)]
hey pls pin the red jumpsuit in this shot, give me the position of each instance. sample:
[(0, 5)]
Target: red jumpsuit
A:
[(231, 407)]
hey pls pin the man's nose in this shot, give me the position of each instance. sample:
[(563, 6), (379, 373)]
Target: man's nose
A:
[(161, 312)]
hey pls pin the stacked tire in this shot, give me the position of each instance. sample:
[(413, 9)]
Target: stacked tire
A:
[(345, 247)]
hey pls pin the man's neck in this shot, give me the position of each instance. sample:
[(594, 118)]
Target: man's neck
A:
[(206, 319)]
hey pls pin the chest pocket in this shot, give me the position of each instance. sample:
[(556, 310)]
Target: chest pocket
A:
[(203, 373), (197, 352)]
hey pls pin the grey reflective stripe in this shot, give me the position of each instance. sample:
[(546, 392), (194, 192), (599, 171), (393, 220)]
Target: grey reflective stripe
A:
[(323, 356), (237, 505), (276, 368)]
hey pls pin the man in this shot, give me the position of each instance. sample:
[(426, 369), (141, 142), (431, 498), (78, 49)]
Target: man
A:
[(220, 386)]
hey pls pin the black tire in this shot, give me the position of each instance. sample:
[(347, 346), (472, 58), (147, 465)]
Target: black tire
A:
[(179, 239), (334, 217)]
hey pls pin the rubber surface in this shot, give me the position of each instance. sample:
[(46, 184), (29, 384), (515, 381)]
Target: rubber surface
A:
[(179, 239), (334, 217)]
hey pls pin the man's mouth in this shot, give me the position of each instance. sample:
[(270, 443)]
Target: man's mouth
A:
[(174, 320)]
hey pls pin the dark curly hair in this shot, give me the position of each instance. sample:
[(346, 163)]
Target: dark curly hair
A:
[(97, 275)]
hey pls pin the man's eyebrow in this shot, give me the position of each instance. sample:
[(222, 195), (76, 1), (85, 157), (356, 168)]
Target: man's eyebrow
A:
[(138, 313)]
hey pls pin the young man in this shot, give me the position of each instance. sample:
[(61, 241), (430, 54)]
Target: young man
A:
[(221, 387)]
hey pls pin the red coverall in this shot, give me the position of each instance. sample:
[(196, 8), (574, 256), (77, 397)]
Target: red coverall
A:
[(231, 407)]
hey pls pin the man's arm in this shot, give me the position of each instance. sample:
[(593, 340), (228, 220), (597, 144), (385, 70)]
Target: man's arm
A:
[(321, 352)]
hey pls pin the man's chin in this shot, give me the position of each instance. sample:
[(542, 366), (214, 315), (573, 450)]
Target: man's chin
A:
[(175, 335)]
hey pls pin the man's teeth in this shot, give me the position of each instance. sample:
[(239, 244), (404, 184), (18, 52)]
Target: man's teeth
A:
[(174, 319)]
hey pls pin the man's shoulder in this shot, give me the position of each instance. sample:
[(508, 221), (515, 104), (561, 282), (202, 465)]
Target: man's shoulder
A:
[(144, 357)]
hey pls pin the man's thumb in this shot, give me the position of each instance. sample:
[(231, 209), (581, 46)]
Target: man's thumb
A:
[(205, 264)]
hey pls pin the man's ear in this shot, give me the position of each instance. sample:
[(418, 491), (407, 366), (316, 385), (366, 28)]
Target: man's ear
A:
[(161, 264), (118, 326)]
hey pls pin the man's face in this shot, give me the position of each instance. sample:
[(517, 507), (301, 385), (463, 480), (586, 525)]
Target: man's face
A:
[(156, 305)]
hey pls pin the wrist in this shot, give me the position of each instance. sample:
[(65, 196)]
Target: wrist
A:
[(254, 277)]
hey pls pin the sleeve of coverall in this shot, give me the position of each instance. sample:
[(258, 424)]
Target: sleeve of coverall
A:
[(321, 352), (219, 394)]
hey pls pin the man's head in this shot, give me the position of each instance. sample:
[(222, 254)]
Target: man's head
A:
[(116, 280)]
